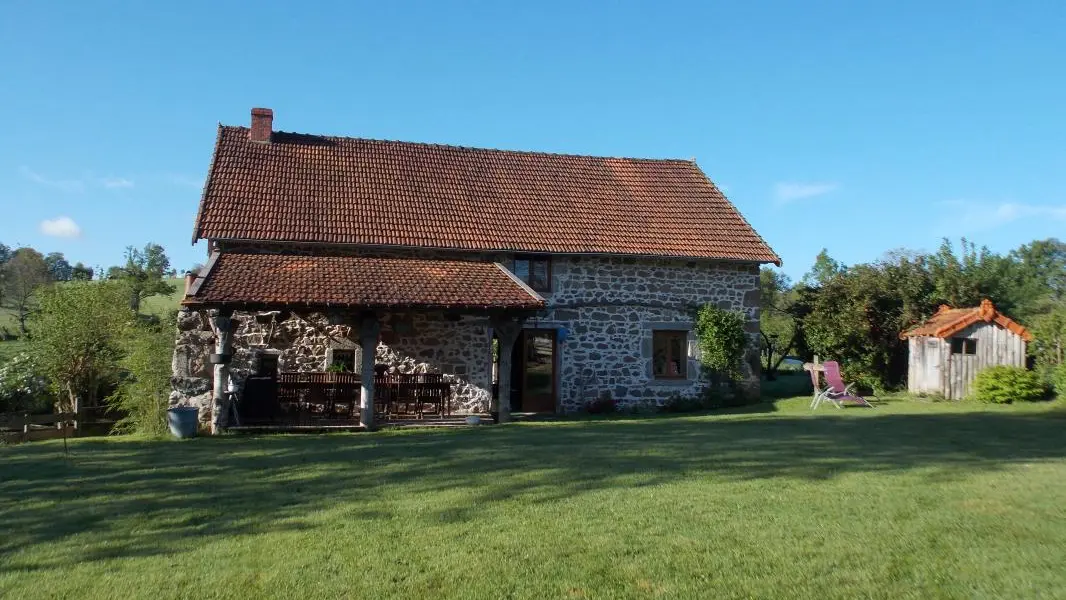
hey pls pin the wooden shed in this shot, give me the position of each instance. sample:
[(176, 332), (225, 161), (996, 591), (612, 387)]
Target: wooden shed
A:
[(948, 350)]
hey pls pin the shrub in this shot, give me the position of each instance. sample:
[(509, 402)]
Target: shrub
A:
[(601, 406), (722, 341), (682, 404), (1058, 380), (24, 386), (144, 392), (1003, 385)]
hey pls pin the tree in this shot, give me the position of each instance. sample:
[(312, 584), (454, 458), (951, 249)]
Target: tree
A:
[(5, 255), (824, 269), (58, 267), (144, 274), (1049, 339), (144, 392), (80, 272), (24, 274), (857, 316), (77, 331), (779, 325)]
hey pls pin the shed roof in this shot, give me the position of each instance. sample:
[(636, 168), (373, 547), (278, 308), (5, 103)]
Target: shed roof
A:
[(339, 190), (283, 280), (948, 321)]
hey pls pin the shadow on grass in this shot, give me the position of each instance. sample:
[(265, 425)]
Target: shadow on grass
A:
[(139, 498)]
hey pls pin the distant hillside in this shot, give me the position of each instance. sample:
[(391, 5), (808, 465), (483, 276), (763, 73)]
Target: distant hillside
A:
[(159, 305), (156, 305)]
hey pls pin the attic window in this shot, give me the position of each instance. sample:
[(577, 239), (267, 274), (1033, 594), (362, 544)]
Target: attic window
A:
[(535, 271), (963, 346)]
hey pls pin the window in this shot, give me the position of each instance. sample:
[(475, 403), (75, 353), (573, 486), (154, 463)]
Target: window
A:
[(343, 360), (963, 346), (268, 365), (536, 272), (669, 354)]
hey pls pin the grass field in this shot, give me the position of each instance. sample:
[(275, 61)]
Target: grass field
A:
[(909, 500)]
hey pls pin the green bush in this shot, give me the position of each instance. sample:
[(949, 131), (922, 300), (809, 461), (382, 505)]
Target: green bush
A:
[(143, 394), (24, 386), (1004, 384), (683, 404), (1058, 380), (722, 341)]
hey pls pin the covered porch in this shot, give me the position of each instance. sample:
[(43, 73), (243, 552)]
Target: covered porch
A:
[(333, 399), (368, 299)]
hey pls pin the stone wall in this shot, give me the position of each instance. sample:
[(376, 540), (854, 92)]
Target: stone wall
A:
[(609, 308), (458, 346)]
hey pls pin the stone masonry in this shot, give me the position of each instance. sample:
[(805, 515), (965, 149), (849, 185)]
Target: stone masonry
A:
[(459, 346), (608, 308)]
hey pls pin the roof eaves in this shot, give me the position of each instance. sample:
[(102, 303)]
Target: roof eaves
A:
[(777, 259), (202, 276), (509, 250), (207, 183), (537, 297)]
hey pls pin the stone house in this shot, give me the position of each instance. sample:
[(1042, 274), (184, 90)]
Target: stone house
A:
[(519, 281)]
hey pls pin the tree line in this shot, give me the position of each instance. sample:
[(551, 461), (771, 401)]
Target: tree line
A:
[(855, 314), (87, 341), (25, 272)]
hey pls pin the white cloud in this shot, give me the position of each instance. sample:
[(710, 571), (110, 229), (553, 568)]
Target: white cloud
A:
[(116, 182), (67, 185), (64, 227), (786, 192), (970, 216)]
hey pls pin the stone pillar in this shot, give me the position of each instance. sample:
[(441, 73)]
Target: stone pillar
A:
[(369, 328), (506, 331), (223, 325)]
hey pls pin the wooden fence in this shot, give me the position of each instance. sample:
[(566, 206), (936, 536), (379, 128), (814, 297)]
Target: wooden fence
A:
[(24, 427)]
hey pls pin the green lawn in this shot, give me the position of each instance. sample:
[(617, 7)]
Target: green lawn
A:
[(910, 500)]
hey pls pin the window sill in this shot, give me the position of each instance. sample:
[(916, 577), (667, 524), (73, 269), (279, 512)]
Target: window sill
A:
[(671, 382)]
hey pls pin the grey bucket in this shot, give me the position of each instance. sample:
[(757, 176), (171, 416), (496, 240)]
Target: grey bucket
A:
[(183, 421)]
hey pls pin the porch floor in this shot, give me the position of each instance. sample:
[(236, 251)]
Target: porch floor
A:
[(333, 425)]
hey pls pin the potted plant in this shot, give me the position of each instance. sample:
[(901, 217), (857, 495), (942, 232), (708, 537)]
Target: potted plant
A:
[(333, 369), (473, 419)]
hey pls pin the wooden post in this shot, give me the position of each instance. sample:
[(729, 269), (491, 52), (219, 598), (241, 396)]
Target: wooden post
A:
[(369, 328), (223, 346), (815, 369), (507, 333)]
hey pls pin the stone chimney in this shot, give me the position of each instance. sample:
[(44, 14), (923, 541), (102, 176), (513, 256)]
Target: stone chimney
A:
[(262, 124)]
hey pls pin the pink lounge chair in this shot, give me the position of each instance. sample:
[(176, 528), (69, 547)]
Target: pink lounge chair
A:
[(835, 391)]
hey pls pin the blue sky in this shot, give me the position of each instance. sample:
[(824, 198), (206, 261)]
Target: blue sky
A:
[(860, 127)]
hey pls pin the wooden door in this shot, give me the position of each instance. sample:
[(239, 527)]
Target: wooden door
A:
[(931, 366), (533, 379)]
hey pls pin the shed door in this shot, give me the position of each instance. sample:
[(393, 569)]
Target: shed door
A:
[(930, 373)]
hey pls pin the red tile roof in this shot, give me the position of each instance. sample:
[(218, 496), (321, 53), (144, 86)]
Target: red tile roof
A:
[(303, 188), (257, 280), (948, 321)]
